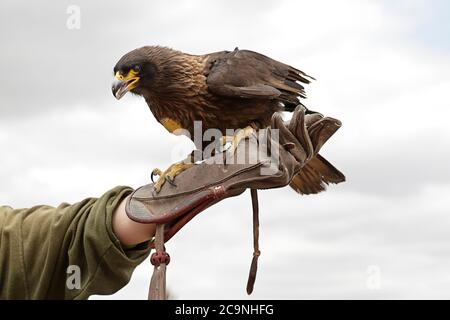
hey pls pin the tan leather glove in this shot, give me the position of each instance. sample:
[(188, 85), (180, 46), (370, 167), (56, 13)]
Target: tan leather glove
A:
[(270, 158)]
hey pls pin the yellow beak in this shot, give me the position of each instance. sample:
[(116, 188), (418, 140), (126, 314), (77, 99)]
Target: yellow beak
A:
[(122, 84)]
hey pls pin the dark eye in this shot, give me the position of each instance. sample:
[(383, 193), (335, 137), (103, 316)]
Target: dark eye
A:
[(137, 68)]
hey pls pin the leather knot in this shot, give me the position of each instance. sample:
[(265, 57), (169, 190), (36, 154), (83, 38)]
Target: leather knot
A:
[(159, 257)]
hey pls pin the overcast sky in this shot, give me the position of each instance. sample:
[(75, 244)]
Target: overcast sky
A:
[(382, 68)]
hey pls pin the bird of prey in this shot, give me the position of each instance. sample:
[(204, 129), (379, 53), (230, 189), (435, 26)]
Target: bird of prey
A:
[(225, 90)]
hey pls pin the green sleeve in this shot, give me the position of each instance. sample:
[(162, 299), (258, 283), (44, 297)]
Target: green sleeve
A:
[(68, 252)]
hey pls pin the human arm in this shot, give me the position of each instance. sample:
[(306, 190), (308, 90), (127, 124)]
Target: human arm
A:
[(44, 249), (129, 232)]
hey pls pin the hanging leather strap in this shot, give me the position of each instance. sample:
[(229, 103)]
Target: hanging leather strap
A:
[(159, 259), (256, 252)]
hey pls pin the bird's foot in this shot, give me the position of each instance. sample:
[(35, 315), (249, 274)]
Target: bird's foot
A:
[(169, 175), (229, 144)]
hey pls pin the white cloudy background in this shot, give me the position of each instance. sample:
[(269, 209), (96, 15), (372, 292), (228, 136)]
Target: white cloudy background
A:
[(383, 68)]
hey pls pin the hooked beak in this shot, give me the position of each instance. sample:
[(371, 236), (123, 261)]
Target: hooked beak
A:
[(122, 84)]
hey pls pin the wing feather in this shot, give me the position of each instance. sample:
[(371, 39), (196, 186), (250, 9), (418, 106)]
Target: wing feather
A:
[(248, 74)]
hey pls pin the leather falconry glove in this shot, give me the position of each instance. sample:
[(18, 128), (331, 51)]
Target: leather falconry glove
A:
[(269, 158)]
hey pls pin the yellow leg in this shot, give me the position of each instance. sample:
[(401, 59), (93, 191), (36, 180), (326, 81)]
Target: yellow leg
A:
[(170, 174), (229, 144), (234, 141)]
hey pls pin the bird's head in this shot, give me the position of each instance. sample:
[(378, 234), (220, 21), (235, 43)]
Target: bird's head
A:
[(136, 71)]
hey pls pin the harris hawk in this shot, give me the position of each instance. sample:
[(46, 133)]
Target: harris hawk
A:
[(225, 90)]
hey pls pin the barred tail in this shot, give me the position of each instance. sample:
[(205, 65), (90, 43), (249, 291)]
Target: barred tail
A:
[(315, 176)]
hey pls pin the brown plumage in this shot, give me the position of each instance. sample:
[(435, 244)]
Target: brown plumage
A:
[(225, 90)]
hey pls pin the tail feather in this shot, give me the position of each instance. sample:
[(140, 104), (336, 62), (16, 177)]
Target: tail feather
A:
[(315, 176)]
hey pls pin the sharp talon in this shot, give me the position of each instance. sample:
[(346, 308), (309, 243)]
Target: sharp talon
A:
[(155, 172), (170, 180), (168, 175), (227, 155)]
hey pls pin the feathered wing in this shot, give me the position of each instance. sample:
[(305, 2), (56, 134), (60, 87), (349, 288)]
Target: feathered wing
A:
[(248, 74)]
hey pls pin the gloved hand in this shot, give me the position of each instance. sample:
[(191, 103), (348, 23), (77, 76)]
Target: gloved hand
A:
[(270, 158)]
